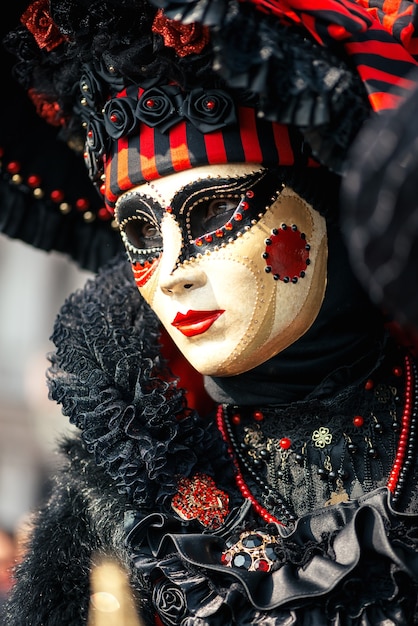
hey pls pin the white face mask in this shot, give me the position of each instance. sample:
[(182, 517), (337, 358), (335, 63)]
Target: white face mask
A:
[(233, 264)]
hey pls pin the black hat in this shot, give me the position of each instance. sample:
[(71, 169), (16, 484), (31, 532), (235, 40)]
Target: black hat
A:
[(321, 72)]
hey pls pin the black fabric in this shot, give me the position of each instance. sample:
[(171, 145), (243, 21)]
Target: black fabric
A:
[(352, 563), (347, 332), (379, 218), (28, 140)]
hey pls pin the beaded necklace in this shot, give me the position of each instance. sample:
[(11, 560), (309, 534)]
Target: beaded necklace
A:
[(402, 456)]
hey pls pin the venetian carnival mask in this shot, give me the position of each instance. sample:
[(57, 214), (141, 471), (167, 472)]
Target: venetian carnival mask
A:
[(232, 262)]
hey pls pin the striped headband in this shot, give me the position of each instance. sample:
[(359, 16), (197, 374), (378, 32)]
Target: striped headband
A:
[(162, 130)]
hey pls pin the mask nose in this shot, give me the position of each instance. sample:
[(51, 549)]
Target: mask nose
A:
[(182, 280), (176, 280)]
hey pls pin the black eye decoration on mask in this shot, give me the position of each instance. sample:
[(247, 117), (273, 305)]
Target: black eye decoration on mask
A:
[(215, 211), (139, 219), (210, 212)]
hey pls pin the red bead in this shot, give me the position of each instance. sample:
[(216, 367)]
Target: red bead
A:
[(236, 419), (238, 217), (103, 189), (219, 233), (104, 214), (150, 103), (228, 226), (258, 416), (34, 180), (369, 384), (169, 209), (249, 193), (208, 238), (13, 167), (210, 104), (57, 195), (358, 421), (82, 204), (285, 443), (397, 371), (198, 242), (113, 118), (244, 205)]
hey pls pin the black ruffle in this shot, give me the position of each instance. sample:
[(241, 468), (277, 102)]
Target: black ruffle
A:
[(108, 375), (296, 81), (354, 564)]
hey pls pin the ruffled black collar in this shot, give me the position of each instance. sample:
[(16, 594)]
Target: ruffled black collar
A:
[(109, 376)]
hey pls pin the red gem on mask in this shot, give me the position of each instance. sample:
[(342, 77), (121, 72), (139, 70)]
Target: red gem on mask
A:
[(288, 253), (219, 233)]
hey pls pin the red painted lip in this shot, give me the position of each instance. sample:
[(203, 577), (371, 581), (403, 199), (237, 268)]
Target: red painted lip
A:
[(195, 322)]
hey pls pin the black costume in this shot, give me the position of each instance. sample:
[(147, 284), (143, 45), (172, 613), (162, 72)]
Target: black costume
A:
[(353, 562), (292, 498)]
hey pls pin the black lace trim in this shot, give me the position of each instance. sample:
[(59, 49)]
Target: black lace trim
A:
[(109, 376)]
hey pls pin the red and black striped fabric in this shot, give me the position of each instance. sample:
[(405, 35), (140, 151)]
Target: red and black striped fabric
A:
[(148, 153), (379, 35)]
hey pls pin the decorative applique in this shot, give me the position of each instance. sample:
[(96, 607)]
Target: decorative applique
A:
[(40, 24), (254, 551), (199, 498), (184, 38)]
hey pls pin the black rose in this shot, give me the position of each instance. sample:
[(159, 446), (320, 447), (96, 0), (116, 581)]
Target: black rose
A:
[(96, 138), (158, 107), (93, 90), (119, 117), (109, 75), (169, 601), (210, 109)]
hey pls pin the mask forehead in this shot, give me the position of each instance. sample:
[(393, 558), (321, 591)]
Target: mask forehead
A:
[(164, 189)]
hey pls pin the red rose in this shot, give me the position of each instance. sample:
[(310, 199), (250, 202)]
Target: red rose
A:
[(38, 21), (184, 38), (49, 111)]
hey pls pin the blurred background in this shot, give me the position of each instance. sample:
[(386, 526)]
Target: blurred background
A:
[(33, 286)]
